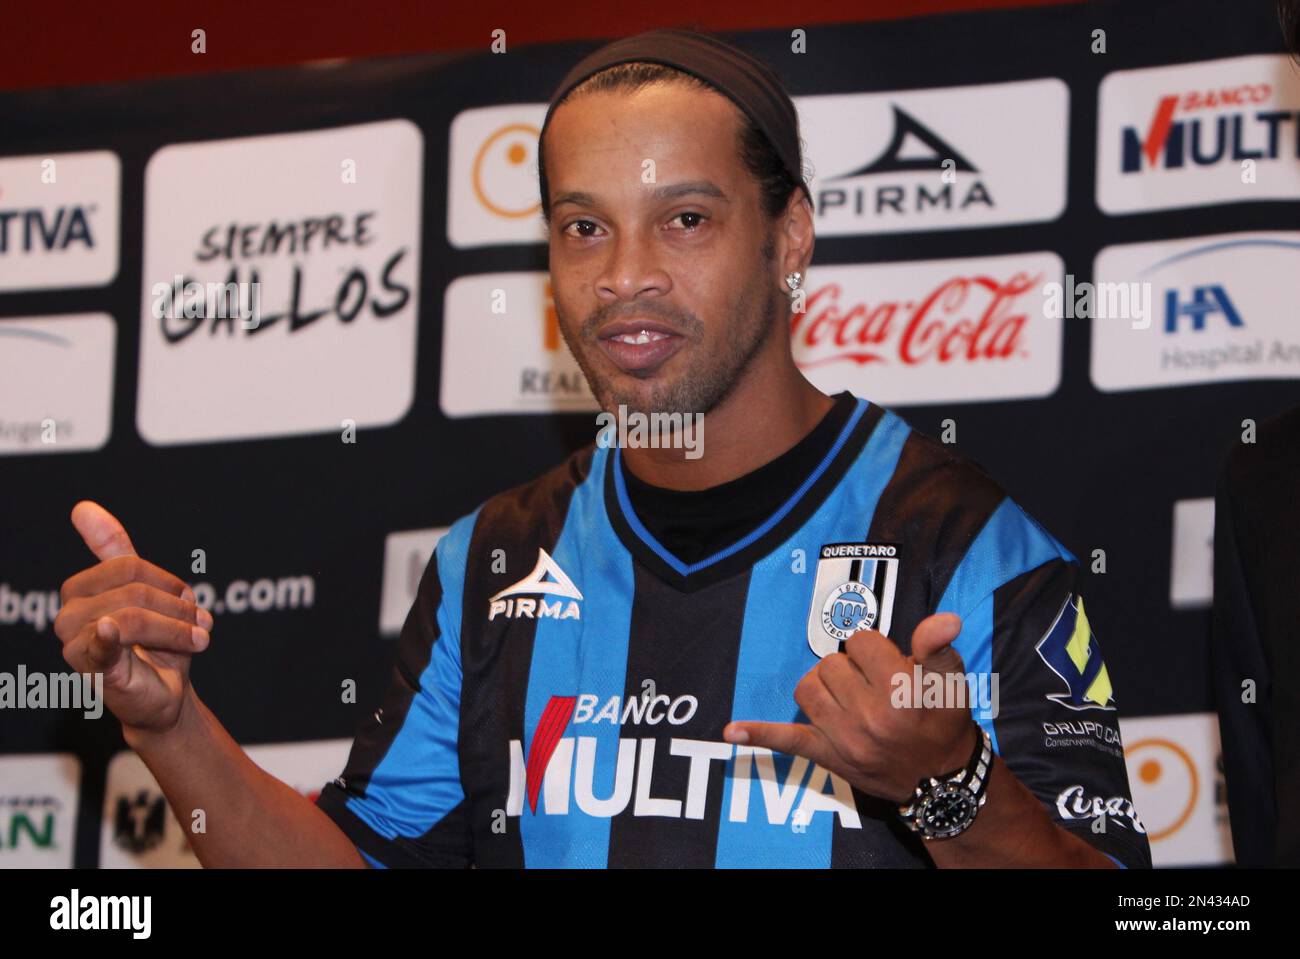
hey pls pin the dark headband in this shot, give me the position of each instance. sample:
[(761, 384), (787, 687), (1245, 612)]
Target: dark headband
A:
[(749, 84)]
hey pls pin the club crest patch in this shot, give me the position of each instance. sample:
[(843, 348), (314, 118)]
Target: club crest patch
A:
[(853, 590)]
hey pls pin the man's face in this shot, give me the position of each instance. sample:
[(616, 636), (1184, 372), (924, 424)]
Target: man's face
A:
[(661, 286)]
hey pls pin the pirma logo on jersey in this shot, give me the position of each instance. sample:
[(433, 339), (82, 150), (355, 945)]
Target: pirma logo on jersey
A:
[(854, 590), (546, 579)]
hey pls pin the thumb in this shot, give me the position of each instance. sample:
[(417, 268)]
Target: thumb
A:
[(932, 643), (101, 530)]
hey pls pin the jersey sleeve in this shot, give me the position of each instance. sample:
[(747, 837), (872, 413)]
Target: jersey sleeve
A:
[(1045, 697), (400, 798)]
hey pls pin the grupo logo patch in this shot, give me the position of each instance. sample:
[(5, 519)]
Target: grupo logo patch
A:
[(320, 231), (59, 217)]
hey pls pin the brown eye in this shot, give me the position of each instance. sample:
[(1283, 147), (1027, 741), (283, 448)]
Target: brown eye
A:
[(690, 227), (580, 223)]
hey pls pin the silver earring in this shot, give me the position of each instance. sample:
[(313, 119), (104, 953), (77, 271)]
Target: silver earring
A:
[(793, 280)]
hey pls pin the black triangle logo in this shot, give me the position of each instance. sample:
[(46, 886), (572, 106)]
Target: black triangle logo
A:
[(891, 161)]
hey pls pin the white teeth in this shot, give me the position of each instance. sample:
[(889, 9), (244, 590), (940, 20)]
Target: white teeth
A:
[(640, 339)]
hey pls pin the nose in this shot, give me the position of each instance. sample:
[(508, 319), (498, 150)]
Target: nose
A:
[(631, 270)]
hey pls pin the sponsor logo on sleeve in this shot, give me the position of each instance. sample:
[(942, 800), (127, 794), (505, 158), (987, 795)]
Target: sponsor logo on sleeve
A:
[(1072, 652)]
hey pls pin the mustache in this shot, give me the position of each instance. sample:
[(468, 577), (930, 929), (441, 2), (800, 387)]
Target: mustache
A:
[(688, 323)]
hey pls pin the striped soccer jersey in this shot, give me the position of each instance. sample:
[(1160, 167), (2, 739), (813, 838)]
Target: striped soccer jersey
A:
[(562, 680)]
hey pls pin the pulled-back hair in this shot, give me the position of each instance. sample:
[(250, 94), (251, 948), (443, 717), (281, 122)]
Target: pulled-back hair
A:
[(759, 156)]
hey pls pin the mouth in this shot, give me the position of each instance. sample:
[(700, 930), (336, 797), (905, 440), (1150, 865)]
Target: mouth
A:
[(639, 346)]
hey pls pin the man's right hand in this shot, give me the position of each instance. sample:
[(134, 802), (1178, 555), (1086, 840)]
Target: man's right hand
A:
[(134, 622)]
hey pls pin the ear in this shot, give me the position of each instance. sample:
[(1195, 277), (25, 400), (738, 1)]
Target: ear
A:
[(795, 236)]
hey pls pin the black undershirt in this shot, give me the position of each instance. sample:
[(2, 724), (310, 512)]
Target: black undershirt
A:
[(695, 524)]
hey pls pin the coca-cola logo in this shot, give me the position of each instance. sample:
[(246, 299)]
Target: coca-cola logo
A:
[(965, 318)]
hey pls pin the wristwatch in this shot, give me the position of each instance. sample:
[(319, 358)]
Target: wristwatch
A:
[(944, 806)]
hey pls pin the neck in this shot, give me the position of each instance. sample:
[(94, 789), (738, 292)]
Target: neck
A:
[(766, 414)]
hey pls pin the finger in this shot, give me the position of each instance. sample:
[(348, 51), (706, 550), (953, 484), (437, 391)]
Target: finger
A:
[(120, 571), (101, 530), (144, 627), (797, 739), (815, 700), (96, 649), (932, 643), (876, 657), (143, 596), (845, 682)]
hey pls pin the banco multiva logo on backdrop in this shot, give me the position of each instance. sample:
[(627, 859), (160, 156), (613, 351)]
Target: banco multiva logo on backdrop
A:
[(933, 331), (493, 194), (327, 224), (939, 159), (502, 351), (59, 220), (1217, 315), (1196, 134), (56, 382)]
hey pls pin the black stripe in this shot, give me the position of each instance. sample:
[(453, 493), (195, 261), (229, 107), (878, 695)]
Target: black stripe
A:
[(934, 506), (687, 645), (936, 502), (496, 657)]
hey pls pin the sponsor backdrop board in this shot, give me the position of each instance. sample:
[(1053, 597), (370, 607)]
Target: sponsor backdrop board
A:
[(1077, 262)]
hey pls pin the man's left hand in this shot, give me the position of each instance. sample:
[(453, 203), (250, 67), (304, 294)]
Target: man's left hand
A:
[(857, 732)]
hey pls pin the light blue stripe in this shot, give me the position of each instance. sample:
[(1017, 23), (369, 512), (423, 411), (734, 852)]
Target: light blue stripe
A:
[(774, 655), (570, 661), (1114, 860), (417, 782), (625, 504), (1010, 544), (375, 863)]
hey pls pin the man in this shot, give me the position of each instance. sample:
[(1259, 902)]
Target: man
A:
[(1256, 608), (646, 657), (1253, 648)]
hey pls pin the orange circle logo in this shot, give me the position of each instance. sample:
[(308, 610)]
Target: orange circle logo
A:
[(513, 154), (1150, 770)]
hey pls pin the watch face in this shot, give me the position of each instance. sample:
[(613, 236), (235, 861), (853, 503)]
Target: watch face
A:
[(947, 811)]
